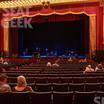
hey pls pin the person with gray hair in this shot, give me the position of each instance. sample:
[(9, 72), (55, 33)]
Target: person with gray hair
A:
[(22, 85)]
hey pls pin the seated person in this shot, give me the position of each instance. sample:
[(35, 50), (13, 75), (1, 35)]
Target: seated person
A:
[(57, 60), (99, 67), (83, 60), (22, 85), (89, 69), (4, 87), (56, 64), (5, 63), (49, 64), (70, 60), (1, 60)]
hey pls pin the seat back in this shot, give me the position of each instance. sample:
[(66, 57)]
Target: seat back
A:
[(62, 97), (20, 98), (91, 80), (5, 98), (40, 97), (99, 97), (78, 79), (60, 87), (76, 87), (84, 97), (43, 87), (102, 87), (92, 87)]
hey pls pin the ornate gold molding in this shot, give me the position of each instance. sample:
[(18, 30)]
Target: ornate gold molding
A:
[(26, 3), (101, 2)]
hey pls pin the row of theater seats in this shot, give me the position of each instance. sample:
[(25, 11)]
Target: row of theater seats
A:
[(13, 64), (65, 64), (96, 79), (51, 97), (46, 72), (65, 87), (95, 74), (26, 63)]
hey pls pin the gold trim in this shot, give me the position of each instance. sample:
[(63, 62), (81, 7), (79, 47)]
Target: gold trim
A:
[(26, 3), (101, 2), (48, 14), (6, 37), (92, 34)]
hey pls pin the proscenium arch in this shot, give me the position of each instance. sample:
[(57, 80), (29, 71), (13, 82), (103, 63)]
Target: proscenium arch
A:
[(92, 28)]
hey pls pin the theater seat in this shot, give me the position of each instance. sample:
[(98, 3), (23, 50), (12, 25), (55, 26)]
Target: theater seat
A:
[(43, 87), (102, 87), (40, 97), (5, 98), (91, 79), (20, 98), (62, 97), (78, 79), (84, 97), (60, 87), (92, 86), (99, 97), (76, 87)]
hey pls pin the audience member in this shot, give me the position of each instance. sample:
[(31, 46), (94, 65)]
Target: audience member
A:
[(22, 85), (4, 87), (89, 69), (99, 67), (5, 63), (83, 60), (56, 63), (49, 64), (70, 60), (1, 60)]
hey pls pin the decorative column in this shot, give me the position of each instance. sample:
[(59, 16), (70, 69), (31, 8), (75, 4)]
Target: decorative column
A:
[(92, 33), (6, 37)]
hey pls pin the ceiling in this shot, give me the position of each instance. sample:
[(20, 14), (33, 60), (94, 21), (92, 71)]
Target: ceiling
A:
[(22, 3)]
